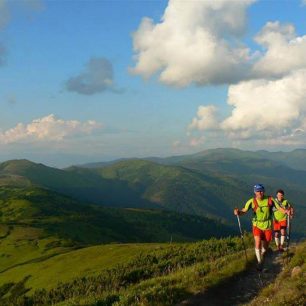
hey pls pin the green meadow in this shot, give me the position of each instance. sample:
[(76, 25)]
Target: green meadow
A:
[(121, 273)]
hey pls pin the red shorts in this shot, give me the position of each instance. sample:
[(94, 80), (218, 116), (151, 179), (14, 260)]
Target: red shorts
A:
[(265, 235), (278, 225)]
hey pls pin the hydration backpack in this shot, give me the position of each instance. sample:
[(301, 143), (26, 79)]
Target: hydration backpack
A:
[(270, 204)]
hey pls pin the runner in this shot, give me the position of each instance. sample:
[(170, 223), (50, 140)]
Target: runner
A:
[(262, 220), (280, 220)]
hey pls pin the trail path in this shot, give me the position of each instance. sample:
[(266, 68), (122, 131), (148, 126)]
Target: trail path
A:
[(242, 288)]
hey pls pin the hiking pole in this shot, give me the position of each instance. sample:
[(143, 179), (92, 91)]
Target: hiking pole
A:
[(241, 235), (288, 236)]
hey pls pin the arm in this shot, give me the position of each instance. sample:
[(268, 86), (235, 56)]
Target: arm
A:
[(291, 209), (283, 210), (238, 212), (246, 207)]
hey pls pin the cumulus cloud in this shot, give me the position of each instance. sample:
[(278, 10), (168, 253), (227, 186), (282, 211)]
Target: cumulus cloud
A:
[(46, 129), (268, 106), (284, 50), (195, 42), (97, 77), (206, 118), (267, 111)]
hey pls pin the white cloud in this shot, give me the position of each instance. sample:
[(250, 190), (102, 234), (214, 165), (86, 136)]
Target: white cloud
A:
[(195, 42), (274, 107), (266, 112), (206, 118), (284, 50), (46, 129)]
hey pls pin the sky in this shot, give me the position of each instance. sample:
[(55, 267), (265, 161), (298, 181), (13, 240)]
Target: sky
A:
[(88, 81)]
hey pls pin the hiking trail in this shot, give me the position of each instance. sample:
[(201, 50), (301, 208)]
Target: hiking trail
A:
[(242, 288)]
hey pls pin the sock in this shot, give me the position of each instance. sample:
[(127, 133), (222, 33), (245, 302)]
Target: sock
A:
[(282, 240), (263, 251), (257, 253), (276, 241)]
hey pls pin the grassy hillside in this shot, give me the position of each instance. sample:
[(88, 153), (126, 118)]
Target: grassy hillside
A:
[(61, 216), (43, 234), (145, 274), (122, 274)]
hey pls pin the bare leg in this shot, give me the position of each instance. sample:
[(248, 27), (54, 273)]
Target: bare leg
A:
[(264, 247), (276, 237), (257, 241), (283, 236)]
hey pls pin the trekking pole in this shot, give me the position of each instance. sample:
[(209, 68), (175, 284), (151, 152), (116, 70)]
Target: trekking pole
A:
[(241, 235), (288, 236)]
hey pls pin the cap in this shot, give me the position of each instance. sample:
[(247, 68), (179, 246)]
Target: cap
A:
[(259, 187)]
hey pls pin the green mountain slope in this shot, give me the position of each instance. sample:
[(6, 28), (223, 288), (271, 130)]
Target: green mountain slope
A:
[(60, 216), (208, 186), (272, 174), (134, 183)]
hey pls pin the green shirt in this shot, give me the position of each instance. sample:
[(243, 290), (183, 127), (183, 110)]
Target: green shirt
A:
[(263, 216), (278, 215)]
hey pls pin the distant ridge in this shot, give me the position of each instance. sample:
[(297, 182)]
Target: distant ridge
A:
[(295, 159)]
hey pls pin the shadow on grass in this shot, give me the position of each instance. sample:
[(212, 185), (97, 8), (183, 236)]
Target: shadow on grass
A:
[(238, 289)]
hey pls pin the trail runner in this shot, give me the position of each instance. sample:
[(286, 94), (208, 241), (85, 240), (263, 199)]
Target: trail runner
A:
[(262, 220), (280, 220)]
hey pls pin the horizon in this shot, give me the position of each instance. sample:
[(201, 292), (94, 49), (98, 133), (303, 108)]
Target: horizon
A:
[(104, 80), (89, 162)]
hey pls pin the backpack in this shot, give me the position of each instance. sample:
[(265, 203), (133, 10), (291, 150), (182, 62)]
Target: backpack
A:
[(270, 204)]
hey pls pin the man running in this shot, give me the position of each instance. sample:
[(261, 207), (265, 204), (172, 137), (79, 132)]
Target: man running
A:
[(262, 220), (280, 220)]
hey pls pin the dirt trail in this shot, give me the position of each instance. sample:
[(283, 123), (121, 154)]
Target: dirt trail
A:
[(242, 288)]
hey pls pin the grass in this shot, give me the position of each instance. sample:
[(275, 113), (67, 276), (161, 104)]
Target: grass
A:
[(171, 288), (70, 265), (287, 290), (110, 273)]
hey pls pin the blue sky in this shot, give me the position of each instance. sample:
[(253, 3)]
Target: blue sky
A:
[(85, 81)]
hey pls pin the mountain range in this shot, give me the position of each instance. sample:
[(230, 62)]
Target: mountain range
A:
[(208, 184)]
